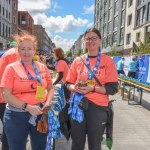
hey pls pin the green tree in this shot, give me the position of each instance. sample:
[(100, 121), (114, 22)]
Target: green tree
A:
[(79, 52), (69, 53), (144, 48), (85, 50)]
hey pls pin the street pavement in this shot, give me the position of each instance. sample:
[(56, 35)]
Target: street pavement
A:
[(131, 126)]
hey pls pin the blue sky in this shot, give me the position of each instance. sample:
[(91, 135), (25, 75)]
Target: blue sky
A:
[(63, 20)]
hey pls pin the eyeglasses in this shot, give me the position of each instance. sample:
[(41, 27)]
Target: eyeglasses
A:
[(94, 38)]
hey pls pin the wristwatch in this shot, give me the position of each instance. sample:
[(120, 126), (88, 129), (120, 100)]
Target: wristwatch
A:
[(24, 106)]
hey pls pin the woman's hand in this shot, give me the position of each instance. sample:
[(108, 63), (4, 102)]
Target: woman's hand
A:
[(81, 90), (85, 89), (47, 104), (34, 110)]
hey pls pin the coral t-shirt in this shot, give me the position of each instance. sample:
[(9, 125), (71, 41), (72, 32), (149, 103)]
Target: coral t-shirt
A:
[(8, 57), (62, 67), (106, 73), (16, 78)]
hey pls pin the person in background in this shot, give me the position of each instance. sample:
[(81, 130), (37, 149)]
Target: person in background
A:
[(8, 57), (120, 66), (27, 88), (132, 68), (62, 68), (103, 67)]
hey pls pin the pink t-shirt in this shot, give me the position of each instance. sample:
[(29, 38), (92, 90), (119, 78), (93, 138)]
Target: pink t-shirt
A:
[(106, 72), (16, 78)]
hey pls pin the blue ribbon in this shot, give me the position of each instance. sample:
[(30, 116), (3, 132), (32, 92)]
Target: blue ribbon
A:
[(38, 78), (74, 110), (53, 129), (90, 76)]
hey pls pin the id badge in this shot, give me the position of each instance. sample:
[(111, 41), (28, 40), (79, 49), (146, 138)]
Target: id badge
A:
[(90, 82), (40, 90)]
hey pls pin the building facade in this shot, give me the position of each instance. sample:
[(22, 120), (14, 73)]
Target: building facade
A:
[(44, 41), (137, 23), (14, 17), (25, 22), (122, 23), (110, 20), (5, 22)]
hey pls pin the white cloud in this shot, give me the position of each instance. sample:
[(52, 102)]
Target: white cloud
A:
[(65, 44), (88, 9), (60, 24), (57, 24), (91, 24), (55, 6), (34, 7)]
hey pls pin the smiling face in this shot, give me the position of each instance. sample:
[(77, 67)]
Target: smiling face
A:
[(26, 51), (92, 42)]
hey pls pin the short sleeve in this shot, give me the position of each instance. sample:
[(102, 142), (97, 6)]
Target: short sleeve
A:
[(72, 74), (111, 72), (8, 77), (60, 66)]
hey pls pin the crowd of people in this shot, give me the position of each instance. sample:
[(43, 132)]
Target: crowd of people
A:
[(133, 66), (26, 88)]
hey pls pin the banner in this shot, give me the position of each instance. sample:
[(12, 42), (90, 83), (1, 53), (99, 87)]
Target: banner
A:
[(143, 66)]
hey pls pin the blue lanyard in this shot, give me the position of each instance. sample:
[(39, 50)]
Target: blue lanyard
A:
[(38, 78), (90, 76)]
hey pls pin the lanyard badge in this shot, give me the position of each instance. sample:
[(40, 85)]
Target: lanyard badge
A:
[(90, 76), (40, 90)]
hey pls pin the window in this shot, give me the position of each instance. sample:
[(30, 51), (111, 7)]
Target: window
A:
[(141, 2), (3, 29), (3, 11), (104, 30), (148, 15), (114, 38), (110, 3), (109, 40), (0, 28), (109, 27), (141, 16), (128, 38), (130, 2), (14, 5), (129, 20), (6, 14), (123, 18), (138, 37), (116, 8), (9, 15), (121, 36), (115, 23), (123, 4), (109, 14), (14, 19)]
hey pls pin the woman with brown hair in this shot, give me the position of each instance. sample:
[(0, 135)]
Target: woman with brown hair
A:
[(62, 68), (89, 104)]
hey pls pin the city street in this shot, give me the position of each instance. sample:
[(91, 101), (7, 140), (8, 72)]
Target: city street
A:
[(131, 126)]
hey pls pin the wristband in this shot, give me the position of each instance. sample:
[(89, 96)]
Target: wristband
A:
[(24, 106)]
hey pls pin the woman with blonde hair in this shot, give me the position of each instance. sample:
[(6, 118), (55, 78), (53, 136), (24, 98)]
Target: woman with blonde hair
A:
[(27, 88)]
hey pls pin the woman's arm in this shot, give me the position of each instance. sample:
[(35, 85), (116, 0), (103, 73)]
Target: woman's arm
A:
[(50, 95), (14, 101), (59, 77)]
